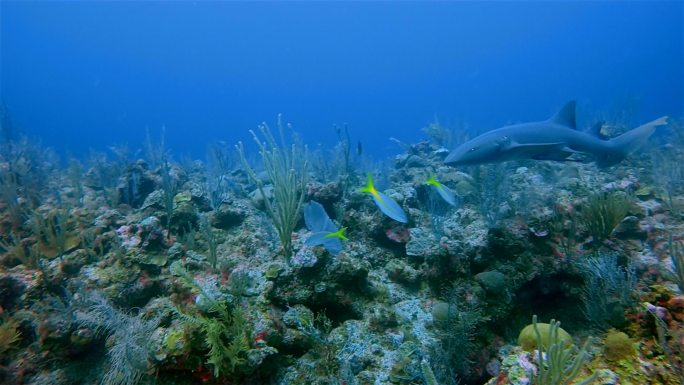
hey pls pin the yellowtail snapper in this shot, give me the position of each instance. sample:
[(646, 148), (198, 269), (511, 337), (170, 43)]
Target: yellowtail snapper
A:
[(325, 233), (386, 204), (443, 190)]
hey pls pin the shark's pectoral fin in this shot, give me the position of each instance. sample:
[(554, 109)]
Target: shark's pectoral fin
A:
[(541, 151), (531, 149), (561, 153)]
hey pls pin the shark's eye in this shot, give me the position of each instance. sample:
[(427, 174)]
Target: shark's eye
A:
[(473, 149)]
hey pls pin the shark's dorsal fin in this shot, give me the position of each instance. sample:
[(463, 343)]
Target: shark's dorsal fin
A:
[(566, 116)]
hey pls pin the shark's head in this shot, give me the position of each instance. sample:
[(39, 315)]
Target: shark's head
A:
[(486, 148)]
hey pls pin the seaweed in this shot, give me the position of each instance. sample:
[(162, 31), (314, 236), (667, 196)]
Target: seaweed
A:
[(564, 227), (494, 187), (10, 196), (155, 153), (608, 289), (217, 183), (226, 336), (169, 190), (438, 133), (75, 177), (9, 335), (602, 213), (317, 330), (457, 332), (129, 337), (676, 251), (18, 249), (223, 327), (670, 340), (210, 239), (51, 231)]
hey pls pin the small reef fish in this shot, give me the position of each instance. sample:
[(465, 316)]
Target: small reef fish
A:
[(325, 233), (338, 234), (386, 204), (443, 190), (554, 139), (331, 241)]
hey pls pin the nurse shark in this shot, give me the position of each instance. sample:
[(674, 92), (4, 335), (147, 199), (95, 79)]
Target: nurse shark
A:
[(554, 139)]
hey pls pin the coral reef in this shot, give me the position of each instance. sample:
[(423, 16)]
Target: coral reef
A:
[(134, 271)]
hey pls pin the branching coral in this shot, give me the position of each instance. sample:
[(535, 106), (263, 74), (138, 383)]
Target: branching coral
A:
[(287, 172), (556, 364)]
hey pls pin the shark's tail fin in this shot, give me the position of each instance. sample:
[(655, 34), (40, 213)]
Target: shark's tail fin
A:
[(629, 142)]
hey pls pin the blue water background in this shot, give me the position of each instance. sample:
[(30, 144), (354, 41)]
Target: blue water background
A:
[(92, 74)]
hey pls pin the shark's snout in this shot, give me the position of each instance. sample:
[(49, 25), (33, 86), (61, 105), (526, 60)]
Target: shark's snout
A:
[(457, 156), (475, 151)]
